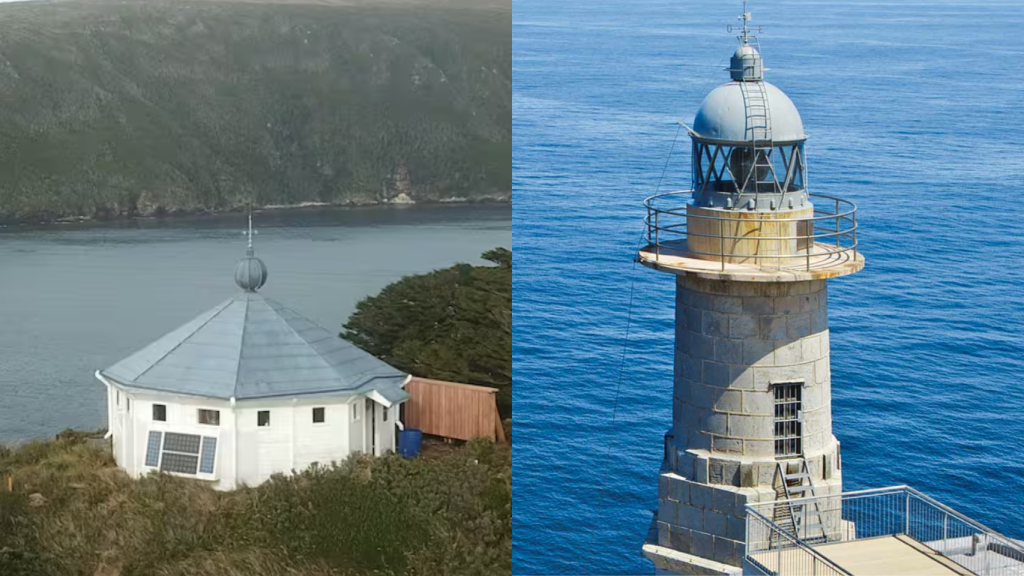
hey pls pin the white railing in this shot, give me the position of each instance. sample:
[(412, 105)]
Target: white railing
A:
[(895, 511), (774, 551), (832, 228)]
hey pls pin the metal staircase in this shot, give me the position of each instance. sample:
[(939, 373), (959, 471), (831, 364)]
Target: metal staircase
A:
[(802, 519)]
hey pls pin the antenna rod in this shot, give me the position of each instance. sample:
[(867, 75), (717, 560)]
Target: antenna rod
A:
[(745, 30)]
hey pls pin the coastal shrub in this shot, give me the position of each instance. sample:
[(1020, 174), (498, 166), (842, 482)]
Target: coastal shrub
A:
[(73, 512), (453, 324)]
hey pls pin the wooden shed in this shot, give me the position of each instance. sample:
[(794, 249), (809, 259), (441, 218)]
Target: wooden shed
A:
[(452, 410)]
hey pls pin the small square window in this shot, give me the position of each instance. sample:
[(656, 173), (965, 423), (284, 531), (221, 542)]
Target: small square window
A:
[(318, 415), (263, 418), (159, 413), (355, 411), (209, 417)]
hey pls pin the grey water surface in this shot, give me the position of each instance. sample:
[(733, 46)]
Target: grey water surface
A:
[(78, 297)]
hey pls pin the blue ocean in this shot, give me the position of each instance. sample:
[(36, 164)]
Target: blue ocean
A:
[(915, 111)]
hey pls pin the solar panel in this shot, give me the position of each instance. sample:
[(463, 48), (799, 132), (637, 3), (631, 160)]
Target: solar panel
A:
[(153, 448), (187, 443), (181, 453), (180, 463), (208, 454)]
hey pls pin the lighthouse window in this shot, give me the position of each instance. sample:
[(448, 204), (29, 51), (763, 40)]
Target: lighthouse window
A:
[(318, 415), (788, 427), (263, 418), (726, 168), (159, 413)]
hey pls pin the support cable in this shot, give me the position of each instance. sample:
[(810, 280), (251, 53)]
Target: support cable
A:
[(629, 309)]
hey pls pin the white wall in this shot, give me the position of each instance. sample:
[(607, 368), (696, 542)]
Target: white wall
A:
[(183, 417), (386, 430), (248, 453), (292, 441)]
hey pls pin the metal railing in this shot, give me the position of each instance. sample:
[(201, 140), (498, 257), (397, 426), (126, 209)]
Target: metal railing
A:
[(774, 551), (895, 511), (832, 228)]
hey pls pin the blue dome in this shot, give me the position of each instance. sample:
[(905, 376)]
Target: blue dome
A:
[(723, 114), (250, 272)]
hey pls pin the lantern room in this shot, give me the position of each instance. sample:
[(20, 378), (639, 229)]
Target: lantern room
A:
[(748, 143)]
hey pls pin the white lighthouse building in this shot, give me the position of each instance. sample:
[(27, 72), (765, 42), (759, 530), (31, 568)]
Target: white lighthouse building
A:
[(752, 474), (248, 389)]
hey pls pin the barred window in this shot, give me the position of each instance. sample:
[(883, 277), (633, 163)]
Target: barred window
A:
[(788, 425)]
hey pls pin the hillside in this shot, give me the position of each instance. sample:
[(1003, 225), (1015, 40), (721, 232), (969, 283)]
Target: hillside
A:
[(143, 107), (73, 512)]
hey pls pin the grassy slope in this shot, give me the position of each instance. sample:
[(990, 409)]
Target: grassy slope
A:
[(450, 514), (112, 108)]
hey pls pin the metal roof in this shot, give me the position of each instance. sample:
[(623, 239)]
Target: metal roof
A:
[(723, 115), (253, 347)]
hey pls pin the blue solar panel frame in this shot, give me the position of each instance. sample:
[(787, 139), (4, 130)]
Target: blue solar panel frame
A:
[(208, 455), (153, 448)]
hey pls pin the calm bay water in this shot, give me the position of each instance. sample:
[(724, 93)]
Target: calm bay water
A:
[(75, 298), (914, 111)]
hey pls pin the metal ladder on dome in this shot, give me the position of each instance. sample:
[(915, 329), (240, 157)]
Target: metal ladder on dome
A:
[(759, 134), (801, 519)]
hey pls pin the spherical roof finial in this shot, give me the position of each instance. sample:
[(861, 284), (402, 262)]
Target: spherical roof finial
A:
[(250, 272)]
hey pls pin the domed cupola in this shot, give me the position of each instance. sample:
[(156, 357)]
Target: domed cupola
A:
[(749, 213), (250, 272), (748, 142)]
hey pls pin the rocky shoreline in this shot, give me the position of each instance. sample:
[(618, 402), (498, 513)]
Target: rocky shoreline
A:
[(401, 200)]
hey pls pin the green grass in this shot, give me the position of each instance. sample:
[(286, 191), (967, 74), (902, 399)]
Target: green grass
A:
[(449, 514), (142, 107)]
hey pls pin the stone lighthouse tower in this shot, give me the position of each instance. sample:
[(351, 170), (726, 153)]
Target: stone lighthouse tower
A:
[(751, 251)]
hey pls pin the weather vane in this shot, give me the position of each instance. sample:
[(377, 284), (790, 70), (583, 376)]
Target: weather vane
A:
[(745, 30)]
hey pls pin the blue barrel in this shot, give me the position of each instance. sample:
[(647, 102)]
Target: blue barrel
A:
[(409, 441)]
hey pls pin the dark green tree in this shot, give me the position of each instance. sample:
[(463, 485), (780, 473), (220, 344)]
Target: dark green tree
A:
[(452, 324)]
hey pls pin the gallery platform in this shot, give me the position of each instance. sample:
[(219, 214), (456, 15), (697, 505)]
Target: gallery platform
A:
[(894, 531)]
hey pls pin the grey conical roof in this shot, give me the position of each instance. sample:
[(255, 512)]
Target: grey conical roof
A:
[(254, 347)]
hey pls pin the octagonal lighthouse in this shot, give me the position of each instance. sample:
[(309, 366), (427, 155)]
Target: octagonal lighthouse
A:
[(751, 250)]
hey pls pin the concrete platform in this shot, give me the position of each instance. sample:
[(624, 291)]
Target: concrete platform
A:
[(884, 556), (826, 261)]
